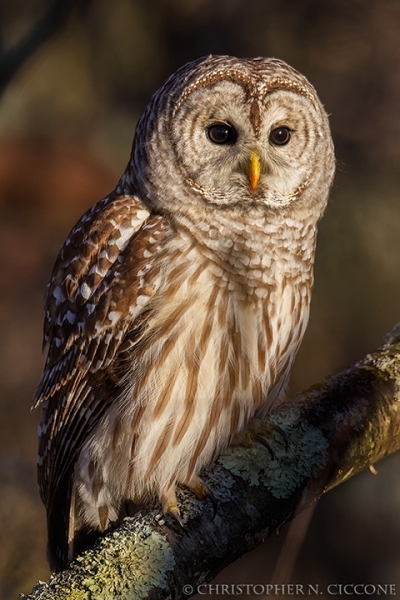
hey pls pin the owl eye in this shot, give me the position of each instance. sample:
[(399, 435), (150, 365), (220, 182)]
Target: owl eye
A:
[(221, 133), (280, 136)]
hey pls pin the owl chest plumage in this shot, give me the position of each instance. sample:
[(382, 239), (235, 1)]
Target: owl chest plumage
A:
[(221, 333)]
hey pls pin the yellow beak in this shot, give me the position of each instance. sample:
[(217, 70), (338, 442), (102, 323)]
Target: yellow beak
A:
[(254, 170)]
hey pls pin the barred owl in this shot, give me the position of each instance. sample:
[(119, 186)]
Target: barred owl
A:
[(177, 304)]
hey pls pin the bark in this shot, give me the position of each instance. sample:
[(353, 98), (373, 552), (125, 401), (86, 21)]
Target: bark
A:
[(334, 430)]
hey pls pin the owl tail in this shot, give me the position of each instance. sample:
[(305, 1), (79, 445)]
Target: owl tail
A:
[(58, 526), (66, 535)]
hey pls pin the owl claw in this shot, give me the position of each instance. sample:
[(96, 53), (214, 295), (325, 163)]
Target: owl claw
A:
[(214, 503), (282, 433), (263, 441), (257, 432), (202, 492), (174, 512), (170, 506), (208, 494)]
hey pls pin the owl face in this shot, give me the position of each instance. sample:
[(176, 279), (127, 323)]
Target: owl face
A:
[(235, 150), (235, 133)]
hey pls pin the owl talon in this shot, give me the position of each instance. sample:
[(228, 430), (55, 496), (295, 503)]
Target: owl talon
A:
[(257, 431), (202, 492), (214, 503), (174, 512), (170, 505), (282, 433), (263, 441)]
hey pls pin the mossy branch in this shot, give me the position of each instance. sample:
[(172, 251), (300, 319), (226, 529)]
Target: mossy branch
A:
[(334, 430)]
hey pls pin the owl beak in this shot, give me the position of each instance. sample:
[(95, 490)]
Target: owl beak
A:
[(254, 170)]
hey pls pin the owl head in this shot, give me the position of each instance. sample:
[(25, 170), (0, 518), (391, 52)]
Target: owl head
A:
[(235, 135)]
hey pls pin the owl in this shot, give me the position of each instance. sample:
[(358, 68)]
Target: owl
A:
[(178, 303)]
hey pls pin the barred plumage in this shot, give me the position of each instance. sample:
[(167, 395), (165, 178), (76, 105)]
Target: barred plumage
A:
[(177, 304)]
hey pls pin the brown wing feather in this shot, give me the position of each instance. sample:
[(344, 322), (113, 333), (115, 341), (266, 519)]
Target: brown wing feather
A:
[(92, 301)]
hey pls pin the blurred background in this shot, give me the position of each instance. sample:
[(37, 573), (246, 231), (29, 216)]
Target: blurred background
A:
[(74, 78)]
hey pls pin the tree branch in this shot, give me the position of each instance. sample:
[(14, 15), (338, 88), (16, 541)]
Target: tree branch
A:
[(334, 430)]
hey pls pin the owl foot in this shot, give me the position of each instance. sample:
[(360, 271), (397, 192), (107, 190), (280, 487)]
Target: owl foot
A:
[(257, 431), (169, 505), (263, 442), (281, 432), (175, 513), (202, 492)]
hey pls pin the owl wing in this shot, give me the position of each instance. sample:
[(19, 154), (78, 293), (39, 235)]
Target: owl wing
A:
[(97, 289)]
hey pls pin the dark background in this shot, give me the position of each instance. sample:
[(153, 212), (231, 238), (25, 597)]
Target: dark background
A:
[(67, 117)]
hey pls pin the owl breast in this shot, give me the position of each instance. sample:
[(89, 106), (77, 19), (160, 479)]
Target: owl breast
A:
[(219, 341)]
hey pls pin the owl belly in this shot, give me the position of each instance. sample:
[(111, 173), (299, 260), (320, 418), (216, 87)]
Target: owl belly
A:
[(201, 371)]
